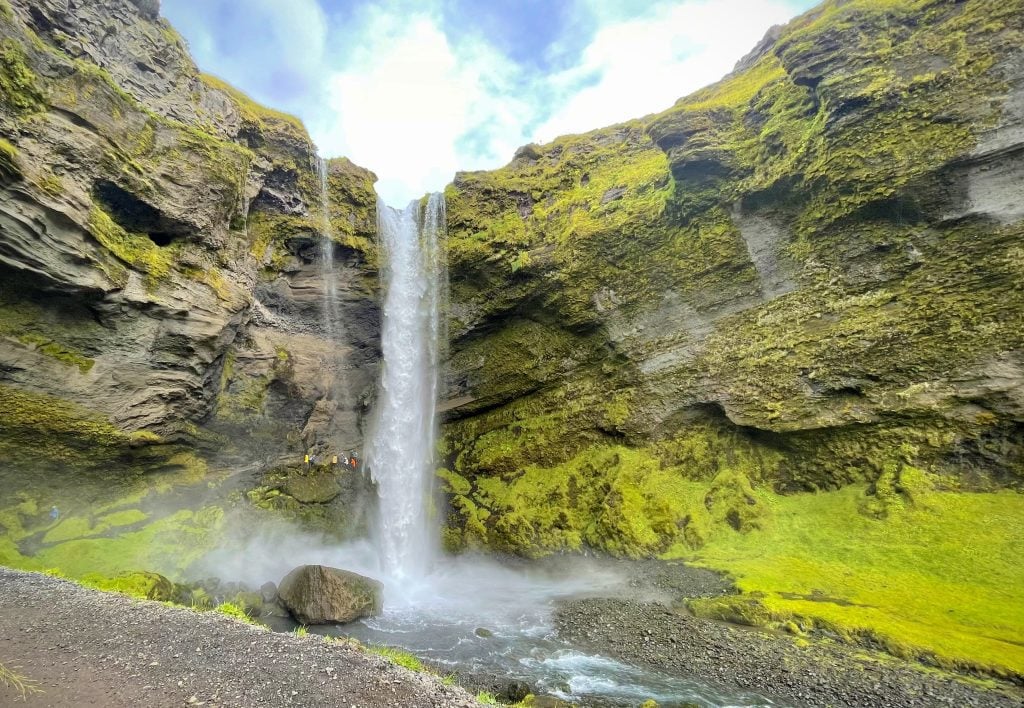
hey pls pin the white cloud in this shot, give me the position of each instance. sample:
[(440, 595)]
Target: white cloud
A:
[(405, 102), (266, 47), (645, 64), (416, 105)]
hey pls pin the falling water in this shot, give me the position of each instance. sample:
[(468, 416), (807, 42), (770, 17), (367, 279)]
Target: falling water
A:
[(329, 278), (401, 451)]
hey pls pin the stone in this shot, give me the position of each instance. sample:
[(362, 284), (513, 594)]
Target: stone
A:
[(268, 591), (317, 594), (314, 488), (150, 9)]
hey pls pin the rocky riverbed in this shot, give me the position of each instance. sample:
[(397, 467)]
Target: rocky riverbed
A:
[(790, 671), (87, 648)]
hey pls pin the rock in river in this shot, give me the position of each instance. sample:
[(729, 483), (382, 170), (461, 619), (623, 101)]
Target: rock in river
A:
[(316, 594)]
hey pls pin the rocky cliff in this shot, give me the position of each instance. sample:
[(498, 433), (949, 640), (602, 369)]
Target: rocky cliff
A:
[(160, 259), (804, 276)]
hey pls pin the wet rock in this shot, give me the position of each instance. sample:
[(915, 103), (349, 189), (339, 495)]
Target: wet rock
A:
[(269, 591), (316, 488), (317, 594), (483, 632)]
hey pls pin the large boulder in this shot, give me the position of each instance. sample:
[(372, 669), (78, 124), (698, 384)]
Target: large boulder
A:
[(315, 488), (316, 594)]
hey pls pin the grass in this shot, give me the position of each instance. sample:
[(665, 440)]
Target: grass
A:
[(400, 657), (939, 580), (235, 612), (21, 684)]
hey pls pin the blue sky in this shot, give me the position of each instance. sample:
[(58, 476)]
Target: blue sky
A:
[(417, 89)]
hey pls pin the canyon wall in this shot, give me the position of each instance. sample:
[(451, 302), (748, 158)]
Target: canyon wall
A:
[(161, 303), (804, 276)]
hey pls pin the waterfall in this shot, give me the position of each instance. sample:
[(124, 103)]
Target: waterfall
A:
[(401, 453), (332, 318)]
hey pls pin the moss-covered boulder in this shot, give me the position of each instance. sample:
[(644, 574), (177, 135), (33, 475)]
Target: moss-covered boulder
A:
[(316, 594)]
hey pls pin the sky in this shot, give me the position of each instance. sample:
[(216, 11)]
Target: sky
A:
[(416, 90)]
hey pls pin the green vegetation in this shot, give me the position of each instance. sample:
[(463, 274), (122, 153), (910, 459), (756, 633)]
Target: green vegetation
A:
[(138, 584), (137, 250), (269, 235), (243, 396), (937, 580), (168, 544), (38, 426), (255, 114), (235, 612), (9, 168), (398, 656), (62, 354), (19, 88), (925, 573)]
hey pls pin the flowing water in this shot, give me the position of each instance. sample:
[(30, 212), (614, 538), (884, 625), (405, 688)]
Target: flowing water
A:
[(400, 456), (331, 314), (473, 615)]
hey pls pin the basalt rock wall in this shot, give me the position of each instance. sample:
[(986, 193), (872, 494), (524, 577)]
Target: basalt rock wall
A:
[(160, 257), (804, 276)]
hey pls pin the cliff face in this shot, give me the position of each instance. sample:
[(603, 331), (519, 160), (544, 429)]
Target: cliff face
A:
[(160, 258), (805, 276)]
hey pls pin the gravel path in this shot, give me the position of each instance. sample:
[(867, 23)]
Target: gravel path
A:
[(87, 648), (821, 674)]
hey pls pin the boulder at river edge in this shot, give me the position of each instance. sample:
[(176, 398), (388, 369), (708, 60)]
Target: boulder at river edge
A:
[(316, 594)]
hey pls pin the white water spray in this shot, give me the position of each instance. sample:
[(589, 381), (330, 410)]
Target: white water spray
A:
[(401, 453)]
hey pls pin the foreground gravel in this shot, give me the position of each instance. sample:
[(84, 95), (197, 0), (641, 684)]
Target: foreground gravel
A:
[(87, 648), (821, 674)]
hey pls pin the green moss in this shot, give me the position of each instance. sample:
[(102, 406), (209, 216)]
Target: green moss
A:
[(19, 88), (45, 425), (256, 114), (9, 160), (143, 585), (56, 351), (168, 544), (51, 184), (619, 500), (245, 398), (270, 234), (937, 582), (137, 250)]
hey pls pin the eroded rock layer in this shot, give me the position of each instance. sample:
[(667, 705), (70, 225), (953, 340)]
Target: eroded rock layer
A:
[(804, 276), (160, 285)]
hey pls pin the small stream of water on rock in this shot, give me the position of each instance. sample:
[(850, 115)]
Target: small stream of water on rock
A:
[(331, 315)]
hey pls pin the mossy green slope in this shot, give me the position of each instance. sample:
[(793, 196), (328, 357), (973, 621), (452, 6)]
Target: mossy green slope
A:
[(794, 282)]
